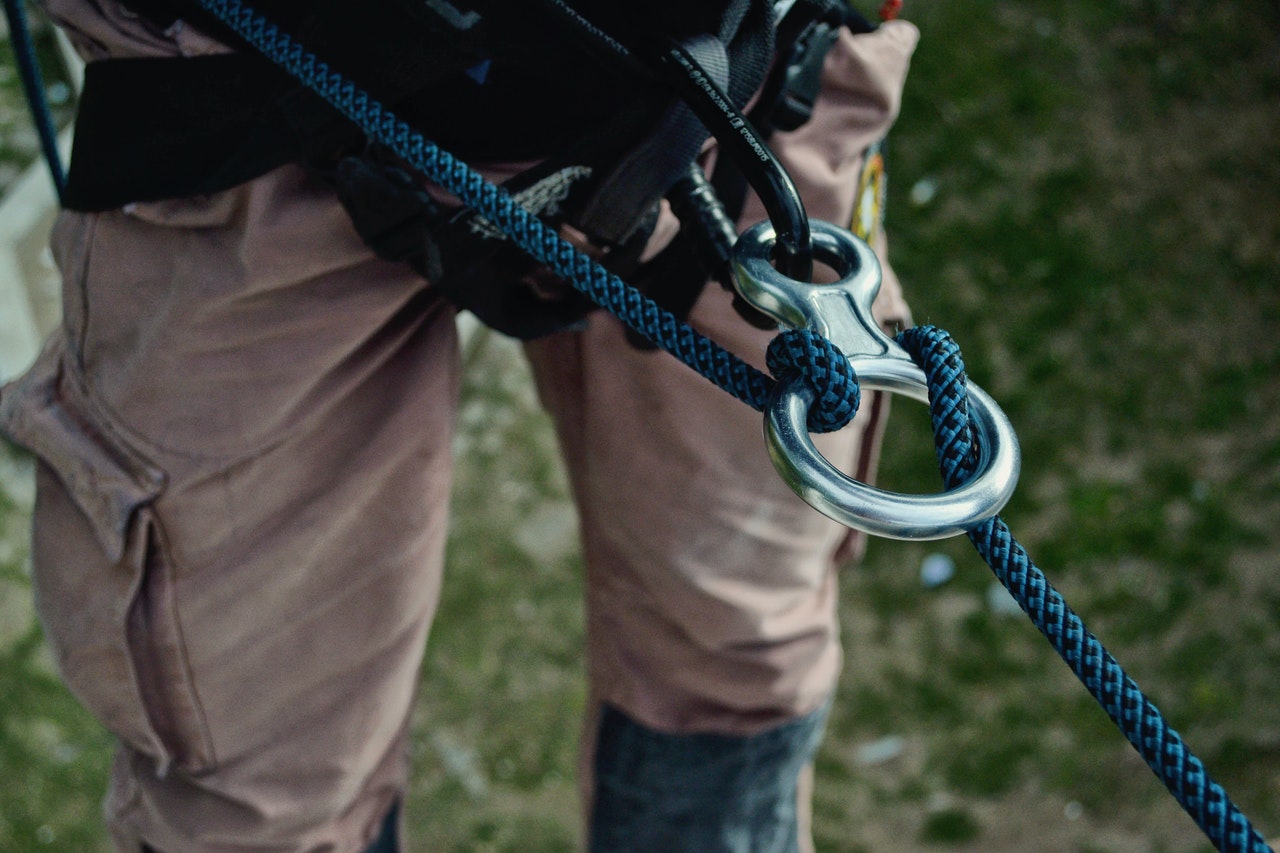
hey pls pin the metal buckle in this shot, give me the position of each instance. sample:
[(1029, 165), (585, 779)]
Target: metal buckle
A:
[(841, 312)]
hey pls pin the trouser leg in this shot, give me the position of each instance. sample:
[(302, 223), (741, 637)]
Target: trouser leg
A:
[(713, 644), (711, 592), (387, 840), (245, 438)]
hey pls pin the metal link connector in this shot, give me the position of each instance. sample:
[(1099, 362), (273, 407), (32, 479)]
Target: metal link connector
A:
[(841, 312)]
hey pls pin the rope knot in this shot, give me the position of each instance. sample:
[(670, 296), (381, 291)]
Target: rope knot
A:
[(938, 355), (824, 368)]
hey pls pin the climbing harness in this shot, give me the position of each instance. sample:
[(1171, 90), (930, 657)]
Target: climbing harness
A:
[(500, 82), (829, 335)]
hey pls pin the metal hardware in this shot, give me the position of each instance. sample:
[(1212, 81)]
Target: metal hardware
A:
[(841, 312)]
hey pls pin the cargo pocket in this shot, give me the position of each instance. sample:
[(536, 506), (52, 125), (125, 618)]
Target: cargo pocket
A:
[(104, 586)]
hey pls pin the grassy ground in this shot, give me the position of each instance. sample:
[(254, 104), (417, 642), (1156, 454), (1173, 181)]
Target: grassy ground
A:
[(1087, 195)]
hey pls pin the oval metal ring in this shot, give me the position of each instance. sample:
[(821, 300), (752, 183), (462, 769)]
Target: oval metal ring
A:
[(841, 311), (878, 511)]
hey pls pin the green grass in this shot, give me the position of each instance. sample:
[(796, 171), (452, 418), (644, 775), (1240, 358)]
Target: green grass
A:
[(950, 826), (1104, 242)]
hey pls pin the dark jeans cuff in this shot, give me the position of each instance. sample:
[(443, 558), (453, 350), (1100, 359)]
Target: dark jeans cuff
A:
[(701, 792)]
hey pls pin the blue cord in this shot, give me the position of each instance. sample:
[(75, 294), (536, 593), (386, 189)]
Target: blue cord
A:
[(1136, 717), (801, 350), (33, 85)]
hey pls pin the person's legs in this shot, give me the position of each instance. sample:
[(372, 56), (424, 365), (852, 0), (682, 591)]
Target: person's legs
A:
[(244, 441), (711, 592), (712, 638)]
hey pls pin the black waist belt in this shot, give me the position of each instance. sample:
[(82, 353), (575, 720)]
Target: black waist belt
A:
[(150, 129), (522, 85)]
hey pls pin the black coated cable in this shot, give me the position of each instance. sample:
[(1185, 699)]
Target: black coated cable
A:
[(741, 142), (746, 147)]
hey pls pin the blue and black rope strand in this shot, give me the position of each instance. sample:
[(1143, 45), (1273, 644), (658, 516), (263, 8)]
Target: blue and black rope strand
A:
[(1137, 718), (824, 368), (24, 52)]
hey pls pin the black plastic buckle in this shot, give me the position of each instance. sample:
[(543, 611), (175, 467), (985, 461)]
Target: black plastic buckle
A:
[(803, 75)]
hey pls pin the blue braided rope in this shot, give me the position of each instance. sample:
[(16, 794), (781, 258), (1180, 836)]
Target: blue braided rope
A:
[(1140, 721), (824, 368), (1120, 697), (24, 52), (541, 242)]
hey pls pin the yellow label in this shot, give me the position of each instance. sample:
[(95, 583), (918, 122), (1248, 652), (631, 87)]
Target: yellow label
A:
[(868, 207)]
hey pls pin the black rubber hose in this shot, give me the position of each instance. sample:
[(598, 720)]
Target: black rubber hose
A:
[(747, 149)]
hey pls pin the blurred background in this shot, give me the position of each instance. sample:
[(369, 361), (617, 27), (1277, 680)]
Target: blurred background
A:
[(1086, 194)]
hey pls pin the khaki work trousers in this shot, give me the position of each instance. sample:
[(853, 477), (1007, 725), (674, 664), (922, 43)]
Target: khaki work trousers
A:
[(244, 440)]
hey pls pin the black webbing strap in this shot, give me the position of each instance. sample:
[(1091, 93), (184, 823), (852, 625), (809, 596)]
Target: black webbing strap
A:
[(155, 128), (708, 210), (158, 128), (661, 158), (379, 42), (515, 85), (150, 129)]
